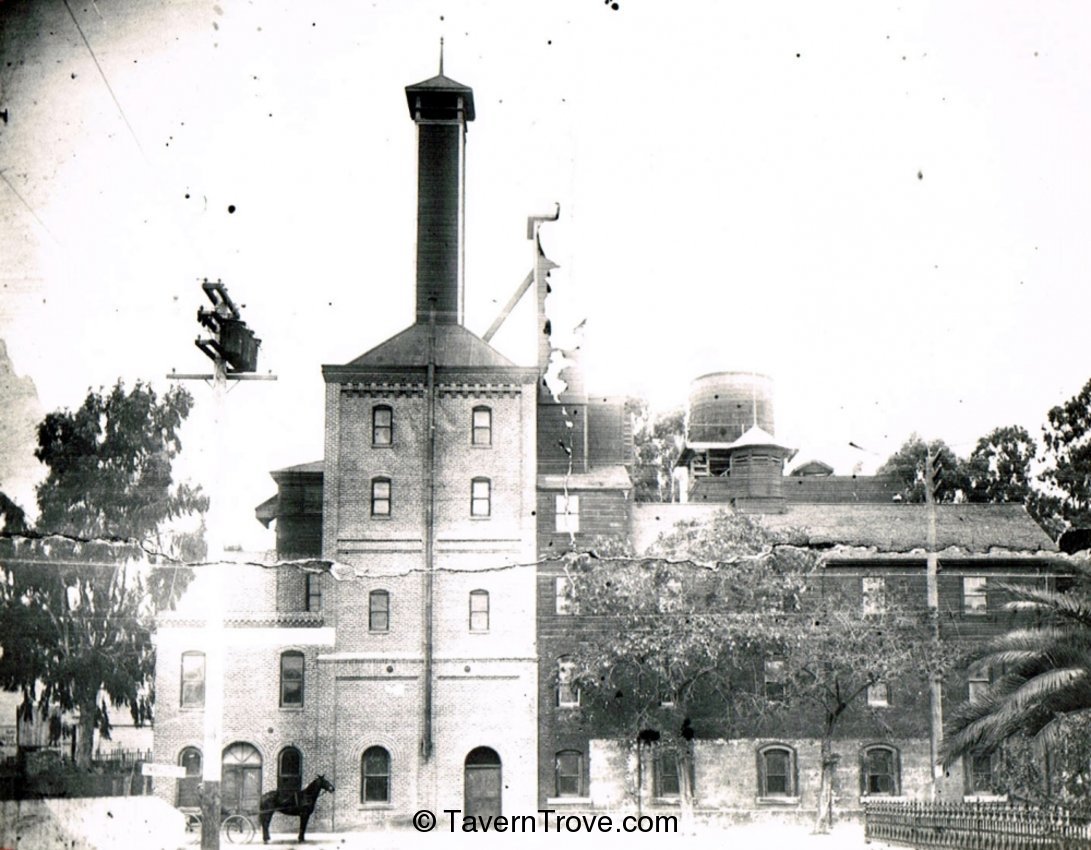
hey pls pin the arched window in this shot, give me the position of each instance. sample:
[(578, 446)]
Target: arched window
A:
[(480, 497), (291, 678), (380, 496), (290, 770), (569, 773), (193, 680), (879, 771), (479, 610), (777, 771), (375, 776), (382, 425), (378, 611), (482, 426), (568, 695), (190, 759)]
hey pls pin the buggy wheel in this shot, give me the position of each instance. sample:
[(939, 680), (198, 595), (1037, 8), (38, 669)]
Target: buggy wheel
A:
[(238, 829)]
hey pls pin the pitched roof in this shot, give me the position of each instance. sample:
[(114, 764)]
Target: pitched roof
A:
[(311, 466), (454, 346), (884, 527)]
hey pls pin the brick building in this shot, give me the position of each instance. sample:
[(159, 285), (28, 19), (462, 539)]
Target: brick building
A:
[(421, 671), (386, 673), (873, 557)]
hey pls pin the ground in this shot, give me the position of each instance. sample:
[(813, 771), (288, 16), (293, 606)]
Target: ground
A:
[(770, 837)]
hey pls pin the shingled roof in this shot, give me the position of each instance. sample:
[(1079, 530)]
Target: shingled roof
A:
[(453, 346), (886, 528)]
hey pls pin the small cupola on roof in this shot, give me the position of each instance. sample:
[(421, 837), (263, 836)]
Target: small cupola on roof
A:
[(440, 107)]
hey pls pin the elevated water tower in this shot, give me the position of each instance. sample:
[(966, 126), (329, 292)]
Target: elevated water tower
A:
[(724, 405)]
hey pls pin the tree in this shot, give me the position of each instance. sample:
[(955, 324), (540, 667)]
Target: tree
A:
[(1067, 435), (908, 466), (676, 643), (657, 443), (15, 518), (1047, 674), (77, 602), (999, 466)]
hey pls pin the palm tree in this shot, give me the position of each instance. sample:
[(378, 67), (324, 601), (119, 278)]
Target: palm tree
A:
[(1047, 676)]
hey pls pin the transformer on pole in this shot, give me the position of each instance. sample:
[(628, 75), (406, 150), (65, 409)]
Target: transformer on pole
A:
[(233, 350)]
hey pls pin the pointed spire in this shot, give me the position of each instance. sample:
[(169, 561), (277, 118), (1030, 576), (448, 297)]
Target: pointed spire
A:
[(441, 55)]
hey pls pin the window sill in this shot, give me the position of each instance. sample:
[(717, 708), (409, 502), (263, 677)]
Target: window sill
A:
[(883, 798), (292, 709), (480, 518), (666, 801), (568, 801), (375, 807), (778, 801), (565, 706), (381, 517), (479, 446)]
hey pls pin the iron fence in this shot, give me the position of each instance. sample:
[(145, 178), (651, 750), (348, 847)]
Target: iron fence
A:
[(975, 826)]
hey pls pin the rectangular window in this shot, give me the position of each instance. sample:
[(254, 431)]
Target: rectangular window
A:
[(193, 679), (980, 778), (878, 695), (291, 679), (382, 426), (569, 772), (874, 595), (378, 616), (480, 497), (777, 774), (479, 611), (380, 497), (774, 679), (979, 683), (312, 592), (568, 514), (568, 695), (667, 783), (880, 771), (482, 426), (564, 598), (974, 596)]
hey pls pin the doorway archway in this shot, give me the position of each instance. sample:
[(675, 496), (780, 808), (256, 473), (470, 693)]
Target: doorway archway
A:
[(482, 783)]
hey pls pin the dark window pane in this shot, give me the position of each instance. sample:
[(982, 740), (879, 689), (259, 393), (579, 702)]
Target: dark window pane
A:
[(193, 679), (777, 773), (379, 613), (667, 775), (376, 775), (382, 426), (291, 678)]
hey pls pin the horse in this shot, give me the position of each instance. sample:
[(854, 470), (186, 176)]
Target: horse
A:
[(296, 803)]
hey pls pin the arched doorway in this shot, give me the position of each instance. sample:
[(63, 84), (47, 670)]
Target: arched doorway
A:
[(241, 784), (190, 759), (482, 783)]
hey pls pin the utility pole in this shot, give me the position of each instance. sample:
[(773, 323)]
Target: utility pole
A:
[(935, 684), (233, 350)]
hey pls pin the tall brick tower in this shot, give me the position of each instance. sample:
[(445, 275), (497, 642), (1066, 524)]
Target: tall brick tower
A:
[(429, 496)]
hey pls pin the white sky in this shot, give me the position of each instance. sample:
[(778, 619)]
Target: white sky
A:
[(738, 186)]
